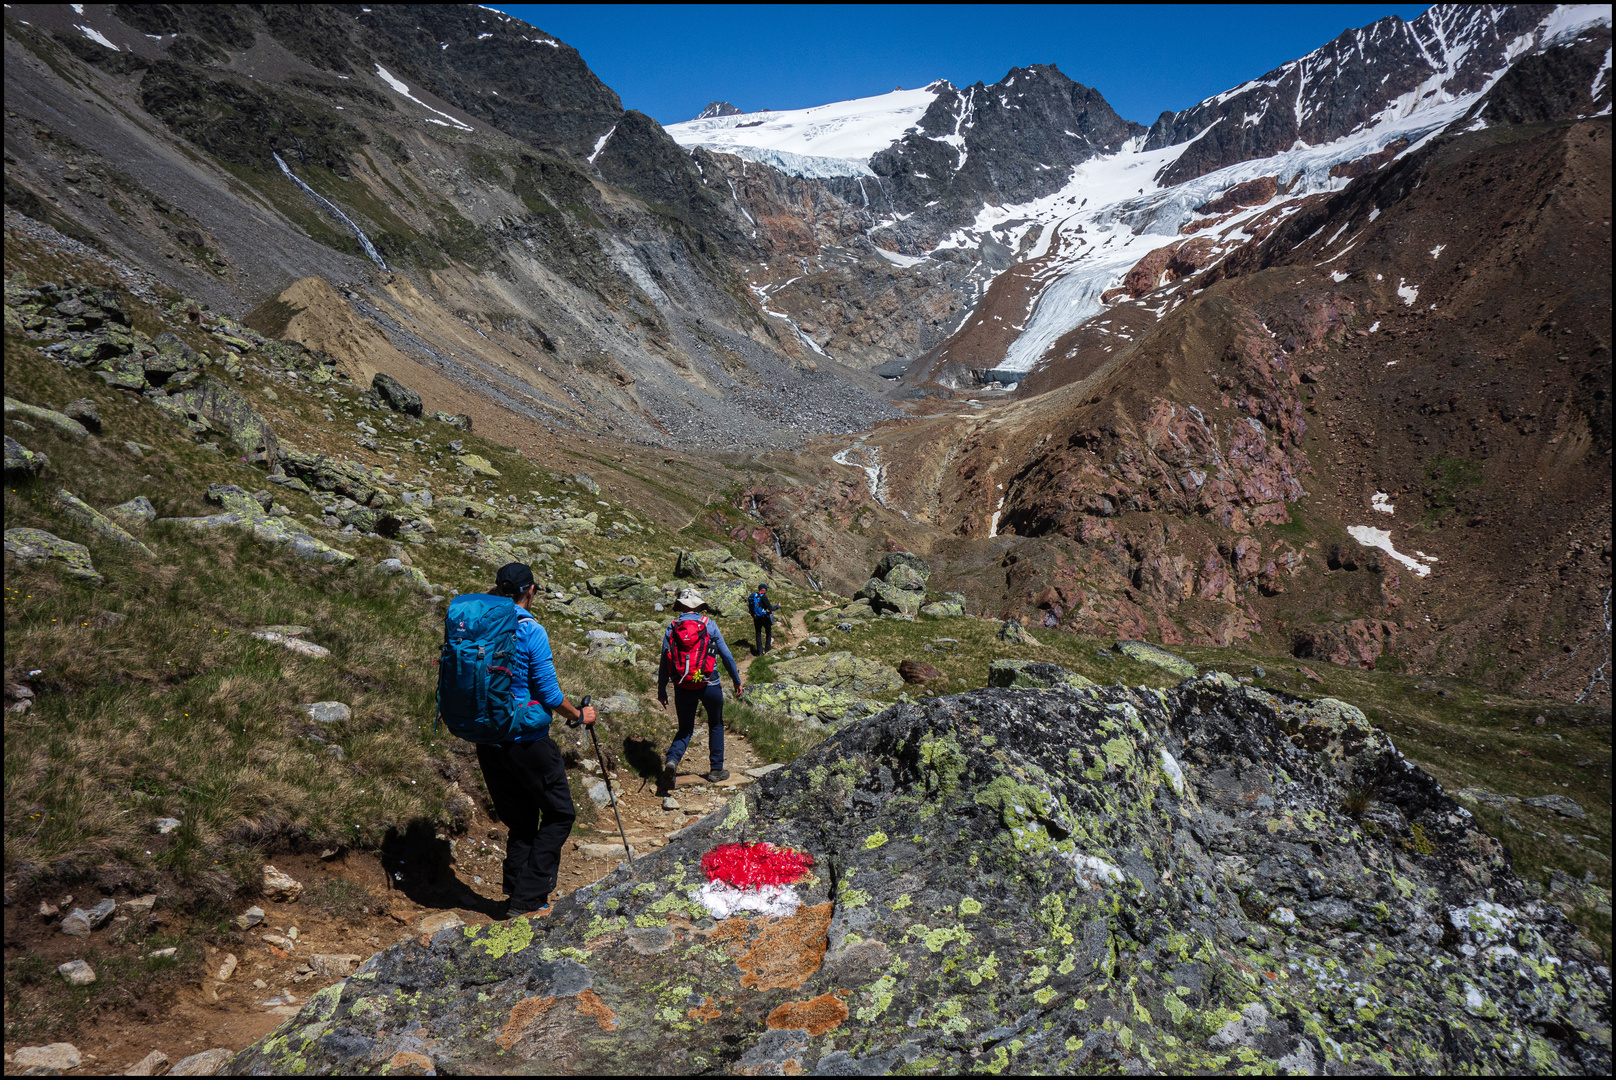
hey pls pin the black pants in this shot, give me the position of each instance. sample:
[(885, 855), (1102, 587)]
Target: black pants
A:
[(528, 783), (762, 634)]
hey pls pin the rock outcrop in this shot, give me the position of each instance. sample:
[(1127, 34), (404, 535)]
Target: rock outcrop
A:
[(247, 512), (39, 546), (1029, 880), (395, 395)]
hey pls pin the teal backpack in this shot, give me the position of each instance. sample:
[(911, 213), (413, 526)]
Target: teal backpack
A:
[(475, 699)]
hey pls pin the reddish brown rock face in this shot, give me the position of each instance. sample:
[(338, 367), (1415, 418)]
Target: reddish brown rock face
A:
[(1251, 193), (1358, 643), (1146, 273)]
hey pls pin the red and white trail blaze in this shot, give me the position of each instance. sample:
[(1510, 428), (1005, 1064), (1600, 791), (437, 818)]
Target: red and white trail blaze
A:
[(752, 877)]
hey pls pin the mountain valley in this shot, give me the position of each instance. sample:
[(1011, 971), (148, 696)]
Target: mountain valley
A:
[(1294, 398)]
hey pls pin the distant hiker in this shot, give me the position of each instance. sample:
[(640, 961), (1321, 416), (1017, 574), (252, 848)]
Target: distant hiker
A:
[(497, 688), (691, 649), (762, 620)]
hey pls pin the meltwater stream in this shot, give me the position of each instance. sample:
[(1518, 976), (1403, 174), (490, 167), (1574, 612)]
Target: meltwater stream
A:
[(364, 241)]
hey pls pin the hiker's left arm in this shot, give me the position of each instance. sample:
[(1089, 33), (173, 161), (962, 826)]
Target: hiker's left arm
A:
[(722, 649)]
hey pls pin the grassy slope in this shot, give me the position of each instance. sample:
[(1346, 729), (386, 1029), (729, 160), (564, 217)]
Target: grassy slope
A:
[(175, 710)]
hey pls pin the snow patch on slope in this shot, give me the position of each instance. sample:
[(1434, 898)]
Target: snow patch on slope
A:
[(827, 140), (1372, 537), (400, 87)]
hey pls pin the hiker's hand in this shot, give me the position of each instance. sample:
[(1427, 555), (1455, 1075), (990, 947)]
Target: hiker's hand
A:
[(587, 715), (662, 700), (740, 691)]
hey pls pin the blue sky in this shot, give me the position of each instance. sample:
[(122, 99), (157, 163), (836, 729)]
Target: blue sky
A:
[(669, 61)]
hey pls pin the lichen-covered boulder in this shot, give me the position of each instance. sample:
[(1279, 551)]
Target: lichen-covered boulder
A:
[(590, 607), (1033, 675), (625, 587), (39, 546), (894, 559), (85, 412), (727, 599), (942, 609), (86, 515), (395, 395), (906, 578), (459, 506), (1013, 632), (842, 671), (884, 596), (127, 373), (610, 648), (224, 408), (1023, 881), (459, 421), (248, 512), (322, 472), (478, 464), (701, 564), (21, 461), (1146, 653), (491, 554), (804, 702), (397, 568), (66, 425), (569, 526)]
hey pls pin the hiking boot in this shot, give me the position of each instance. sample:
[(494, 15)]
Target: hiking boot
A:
[(665, 778), (541, 908), (716, 775)]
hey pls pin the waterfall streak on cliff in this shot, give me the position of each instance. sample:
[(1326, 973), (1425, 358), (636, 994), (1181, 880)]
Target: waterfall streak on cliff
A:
[(364, 241)]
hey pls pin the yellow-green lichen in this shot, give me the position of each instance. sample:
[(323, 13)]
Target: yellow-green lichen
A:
[(987, 969), (498, 939), (935, 940), (944, 762), (968, 906), (874, 840), (737, 813), (878, 996)]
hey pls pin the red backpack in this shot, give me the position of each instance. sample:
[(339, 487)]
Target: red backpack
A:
[(689, 652)]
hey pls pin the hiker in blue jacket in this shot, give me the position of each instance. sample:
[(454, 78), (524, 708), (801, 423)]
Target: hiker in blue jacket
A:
[(691, 648), (762, 620), (526, 777)]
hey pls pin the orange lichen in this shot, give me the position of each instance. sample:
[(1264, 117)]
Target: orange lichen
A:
[(706, 1011), (815, 1016), (590, 1004), (523, 1013), (787, 951), (406, 1058)]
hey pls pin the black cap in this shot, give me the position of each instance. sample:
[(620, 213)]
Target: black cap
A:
[(519, 576), (763, 588)]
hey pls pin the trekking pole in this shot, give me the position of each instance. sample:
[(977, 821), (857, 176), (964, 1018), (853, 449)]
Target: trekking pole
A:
[(610, 794)]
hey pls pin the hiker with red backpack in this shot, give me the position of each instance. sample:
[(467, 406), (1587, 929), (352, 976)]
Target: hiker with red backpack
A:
[(497, 688), (691, 649)]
